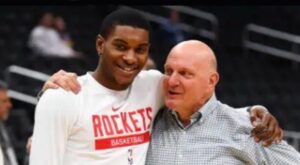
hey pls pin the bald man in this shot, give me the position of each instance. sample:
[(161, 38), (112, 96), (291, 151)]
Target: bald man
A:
[(199, 129), (9, 155)]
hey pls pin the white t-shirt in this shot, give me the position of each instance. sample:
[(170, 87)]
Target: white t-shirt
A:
[(47, 42), (98, 126)]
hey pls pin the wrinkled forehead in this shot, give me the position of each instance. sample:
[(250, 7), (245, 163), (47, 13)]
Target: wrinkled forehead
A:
[(181, 61), (191, 59)]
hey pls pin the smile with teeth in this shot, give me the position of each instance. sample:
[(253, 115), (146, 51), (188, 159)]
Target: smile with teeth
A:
[(128, 69)]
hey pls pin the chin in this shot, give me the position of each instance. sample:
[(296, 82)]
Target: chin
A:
[(170, 104)]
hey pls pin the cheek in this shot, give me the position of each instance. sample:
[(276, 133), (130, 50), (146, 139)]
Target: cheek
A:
[(2, 112), (106, 65), (108, 59), (165, 86), (191, 94), (142, 59), (193, 89), (199, 93)]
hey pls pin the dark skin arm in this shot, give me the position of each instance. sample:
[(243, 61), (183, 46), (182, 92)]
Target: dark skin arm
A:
[(66, 80), (266, 127)]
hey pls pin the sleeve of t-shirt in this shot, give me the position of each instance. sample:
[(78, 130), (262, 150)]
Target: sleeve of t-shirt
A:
[(157, 78), (54, 117)]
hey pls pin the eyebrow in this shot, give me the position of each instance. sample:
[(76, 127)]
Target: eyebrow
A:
[(119, 40)]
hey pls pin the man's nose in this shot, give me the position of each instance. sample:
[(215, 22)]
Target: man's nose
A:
[(173, 80), (130, 57)]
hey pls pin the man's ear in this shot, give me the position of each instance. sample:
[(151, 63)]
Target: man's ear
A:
[(214, 79), (99, 44)]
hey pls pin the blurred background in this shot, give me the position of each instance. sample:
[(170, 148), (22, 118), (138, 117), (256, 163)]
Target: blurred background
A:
[(257, 48)]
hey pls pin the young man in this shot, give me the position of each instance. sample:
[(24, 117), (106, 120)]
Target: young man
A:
[(199, 129), (109, 121)]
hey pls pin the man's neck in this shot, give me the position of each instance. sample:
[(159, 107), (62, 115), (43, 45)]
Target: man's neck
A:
[(185, 115), (184, 119), (99, 76)]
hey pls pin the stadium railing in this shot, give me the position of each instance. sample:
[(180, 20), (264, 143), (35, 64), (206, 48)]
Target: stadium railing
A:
[(211, 34), (31, 74), (209, 17), (268, 46), (293, 138)]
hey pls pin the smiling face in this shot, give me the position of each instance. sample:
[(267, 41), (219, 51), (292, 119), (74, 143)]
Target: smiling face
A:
[(124, 53), (190, 76)]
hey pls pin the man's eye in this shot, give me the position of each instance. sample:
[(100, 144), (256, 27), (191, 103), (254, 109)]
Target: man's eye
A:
[(141, 50), (120, 47), (168, 72), (186, 74)]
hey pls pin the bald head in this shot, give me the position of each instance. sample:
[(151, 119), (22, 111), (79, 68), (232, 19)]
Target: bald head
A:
[(197, 50), (190, 77)]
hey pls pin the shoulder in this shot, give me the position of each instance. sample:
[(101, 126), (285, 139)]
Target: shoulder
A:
[(83, 80), (240, 114), (148, 80), (57, 97), (149, 83), (61, 97), (58, 105), (237, 116), (235, 126), (38, 30), (149, 75)]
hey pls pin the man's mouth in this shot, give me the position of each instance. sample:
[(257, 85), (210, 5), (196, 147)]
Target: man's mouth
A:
[(173, 92), (128, 69)]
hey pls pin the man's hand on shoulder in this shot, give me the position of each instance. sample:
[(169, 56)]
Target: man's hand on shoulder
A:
[(266, 127), (66, 80)]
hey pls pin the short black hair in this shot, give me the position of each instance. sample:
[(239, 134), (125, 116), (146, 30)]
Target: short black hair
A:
[(123, 16), (3, 85)]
